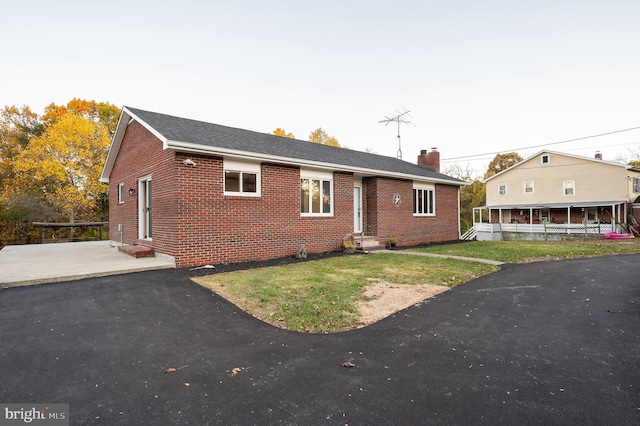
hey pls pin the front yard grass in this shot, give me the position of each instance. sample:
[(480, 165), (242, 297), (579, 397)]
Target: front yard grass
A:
[(320, 296), (526, 251)]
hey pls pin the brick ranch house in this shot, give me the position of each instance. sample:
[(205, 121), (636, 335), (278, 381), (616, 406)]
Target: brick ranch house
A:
[(203, 193)]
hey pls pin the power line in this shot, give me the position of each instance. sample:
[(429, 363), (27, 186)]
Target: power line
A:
[(547, 144)]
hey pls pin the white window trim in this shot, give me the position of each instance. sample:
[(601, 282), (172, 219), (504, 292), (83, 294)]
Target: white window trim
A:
[(547, 156), (564, 188), (121, 193), (242, 167), (321, 176), (635, 183), (524, 187), (425, 187), (505, 189)]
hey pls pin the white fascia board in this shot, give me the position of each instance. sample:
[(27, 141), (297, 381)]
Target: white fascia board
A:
[(148, 127), (199, 149), (114, 147), (123, 122)]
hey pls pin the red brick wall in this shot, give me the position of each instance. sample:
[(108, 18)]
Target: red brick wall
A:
[(386, 220), (229, 229), (194, 221), (141, 155)]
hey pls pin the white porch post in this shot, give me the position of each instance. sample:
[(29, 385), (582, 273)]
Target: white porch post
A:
[(569, 219), (613, 221), (531, 220)]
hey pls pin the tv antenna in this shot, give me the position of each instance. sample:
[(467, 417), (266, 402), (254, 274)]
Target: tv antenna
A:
[(400, 117)]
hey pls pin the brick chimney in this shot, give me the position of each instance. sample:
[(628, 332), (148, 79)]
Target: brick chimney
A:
[(598, 155), (430, 160)]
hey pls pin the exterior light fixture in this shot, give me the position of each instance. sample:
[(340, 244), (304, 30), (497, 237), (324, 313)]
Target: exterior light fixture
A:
[(132, 192)]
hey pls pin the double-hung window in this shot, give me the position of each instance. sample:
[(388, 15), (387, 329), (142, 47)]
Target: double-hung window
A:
[(241, 178), (502, 189), (636, 185), (569, 187), (424, 200), (316, 193), (528, 187)]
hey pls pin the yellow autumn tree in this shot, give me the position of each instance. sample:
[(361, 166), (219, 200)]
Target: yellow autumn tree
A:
[(283, 133), (101, 112), (64, 164), (320, 136)]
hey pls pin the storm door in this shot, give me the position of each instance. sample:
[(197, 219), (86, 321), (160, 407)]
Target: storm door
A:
[(357, 209), (144, 203)]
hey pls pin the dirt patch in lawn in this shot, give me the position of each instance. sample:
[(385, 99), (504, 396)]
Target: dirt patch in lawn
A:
[(388, 298)]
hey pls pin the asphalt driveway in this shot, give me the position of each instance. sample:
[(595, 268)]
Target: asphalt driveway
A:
[(539, 343)]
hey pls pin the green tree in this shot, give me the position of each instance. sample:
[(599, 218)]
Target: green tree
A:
[(17, 127), (321, 137), (18, 211), (502, 162), (472, 195)]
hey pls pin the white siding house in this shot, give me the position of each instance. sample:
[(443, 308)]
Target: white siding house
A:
[(552, 192)]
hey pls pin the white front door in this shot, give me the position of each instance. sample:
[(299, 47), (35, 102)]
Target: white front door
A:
[(357, 209)]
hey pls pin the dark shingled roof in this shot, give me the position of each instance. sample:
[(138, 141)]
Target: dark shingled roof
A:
[(216, 136)]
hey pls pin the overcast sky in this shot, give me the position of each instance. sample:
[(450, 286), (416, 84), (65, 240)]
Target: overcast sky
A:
[(478, 77)]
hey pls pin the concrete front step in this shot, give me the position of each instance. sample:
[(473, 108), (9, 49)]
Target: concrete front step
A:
[(368, 242), (137, 251)]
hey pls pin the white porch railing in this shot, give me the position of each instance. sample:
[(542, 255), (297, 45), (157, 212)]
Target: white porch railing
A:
[(546, 228)]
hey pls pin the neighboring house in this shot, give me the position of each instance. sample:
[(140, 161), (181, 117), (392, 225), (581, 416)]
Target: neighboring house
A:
[(551, 190), (209, 194)]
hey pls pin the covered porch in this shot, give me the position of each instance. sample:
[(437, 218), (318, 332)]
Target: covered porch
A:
[(548, 221)]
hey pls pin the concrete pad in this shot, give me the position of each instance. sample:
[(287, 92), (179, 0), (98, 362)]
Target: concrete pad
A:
[(46, 263)]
